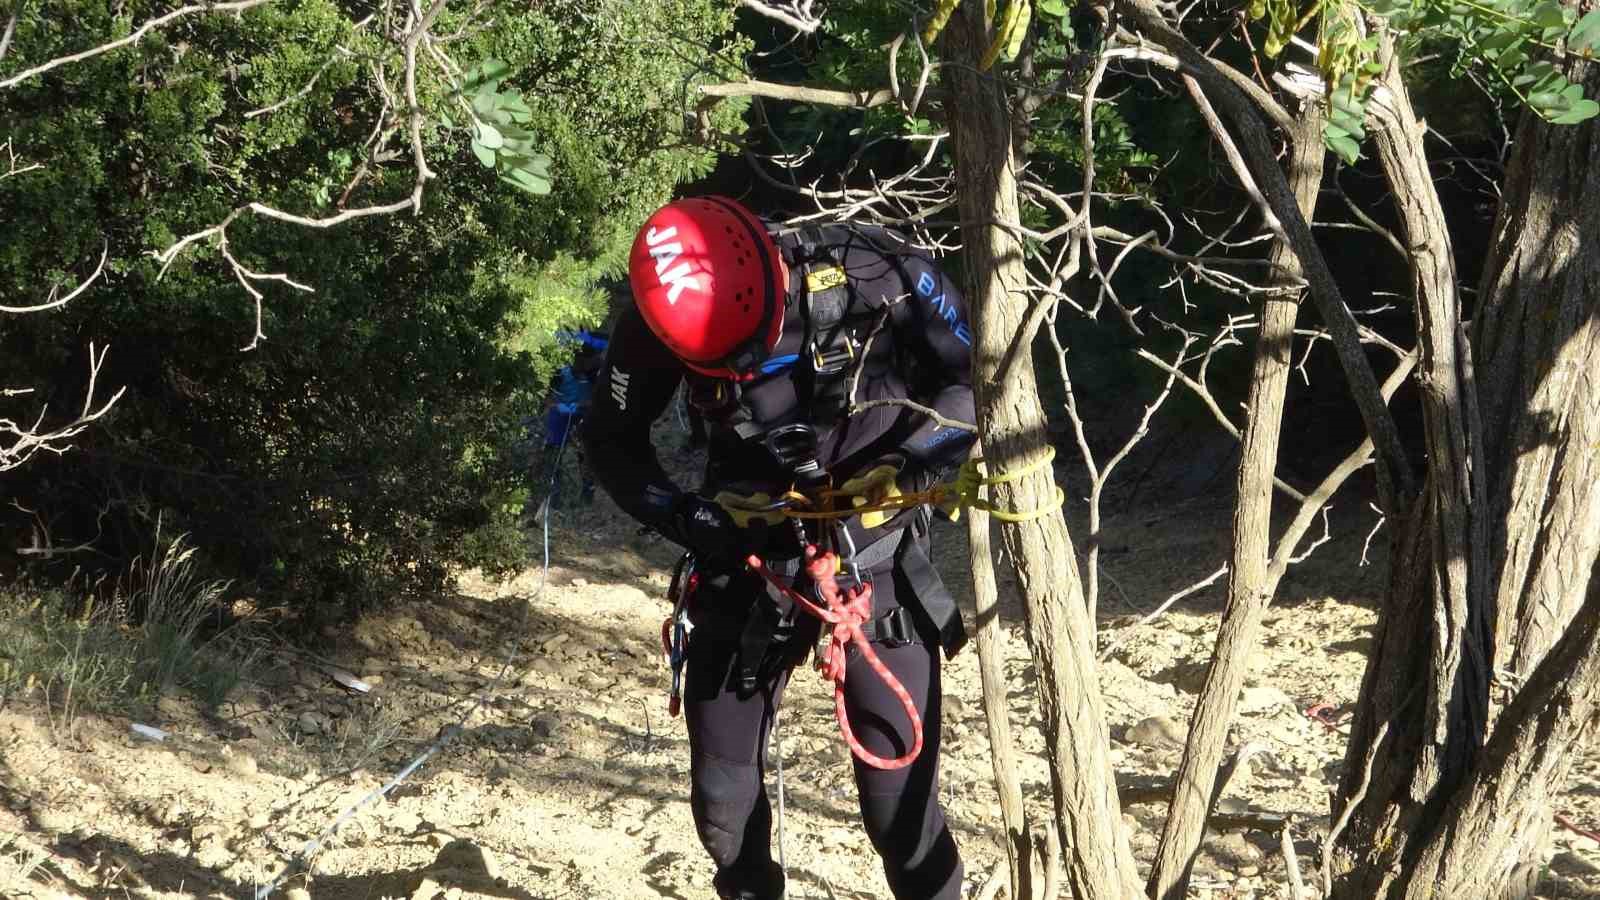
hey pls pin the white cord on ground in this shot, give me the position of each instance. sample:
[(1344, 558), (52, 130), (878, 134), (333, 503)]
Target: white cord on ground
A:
[(777, 740), (446, 735)]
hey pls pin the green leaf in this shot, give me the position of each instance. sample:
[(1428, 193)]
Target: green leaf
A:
[(1581, 111), (527, 181), (1055, 9), (1549, 14), (484, 104), (489, 72), (1343, 146), (484, 154), (490, 136), (1585, 36)]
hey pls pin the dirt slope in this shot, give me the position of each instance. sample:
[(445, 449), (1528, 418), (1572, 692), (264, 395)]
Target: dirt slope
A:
[(571, 783)]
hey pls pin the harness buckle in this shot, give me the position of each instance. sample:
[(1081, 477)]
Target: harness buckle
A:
[(833, 359), (895, 629), (795, 448)]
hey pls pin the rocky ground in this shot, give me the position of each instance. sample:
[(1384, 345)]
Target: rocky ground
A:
[(570, 780)]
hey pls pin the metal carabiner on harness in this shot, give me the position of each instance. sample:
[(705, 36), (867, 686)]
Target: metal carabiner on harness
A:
[(675, 630)]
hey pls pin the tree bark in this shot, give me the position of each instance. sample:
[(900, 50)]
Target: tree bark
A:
[(1099, 863), (1444, 817), (1539, 344), (1250, 583), (996, 711), (1435, 704)]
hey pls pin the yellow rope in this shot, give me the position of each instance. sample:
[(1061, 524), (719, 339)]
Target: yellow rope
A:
[(965, 491)]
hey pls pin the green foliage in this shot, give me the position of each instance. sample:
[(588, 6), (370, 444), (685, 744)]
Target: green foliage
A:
[(357, 451), (1518, 42), (499, 139)]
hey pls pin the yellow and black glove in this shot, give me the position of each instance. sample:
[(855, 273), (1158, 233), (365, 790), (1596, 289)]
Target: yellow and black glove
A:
[(878, 484)]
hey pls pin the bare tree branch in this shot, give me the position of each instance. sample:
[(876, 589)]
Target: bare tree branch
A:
[(19, 441), (138, 34), (11, 27), (1394, 471), (55, 301), (772, 90), (797, 14), (12, 168)]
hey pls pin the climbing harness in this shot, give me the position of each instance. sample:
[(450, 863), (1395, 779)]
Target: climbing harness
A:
[(846, 611)]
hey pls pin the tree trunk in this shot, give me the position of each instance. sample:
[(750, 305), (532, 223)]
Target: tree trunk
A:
[(1539, 346), (996, 711), (1250, 585), (1443, 817), (1099, 863), (1435, 705)]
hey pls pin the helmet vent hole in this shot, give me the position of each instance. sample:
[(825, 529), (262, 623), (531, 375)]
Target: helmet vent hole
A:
[(747, 307)]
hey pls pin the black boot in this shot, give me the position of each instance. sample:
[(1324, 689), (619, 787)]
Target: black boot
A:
[(764, 883)]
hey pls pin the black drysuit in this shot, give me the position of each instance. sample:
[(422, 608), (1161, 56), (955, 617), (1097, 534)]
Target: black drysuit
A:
[(909, 322)]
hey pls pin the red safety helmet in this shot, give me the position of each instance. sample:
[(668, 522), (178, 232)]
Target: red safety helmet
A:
[(710, 283)]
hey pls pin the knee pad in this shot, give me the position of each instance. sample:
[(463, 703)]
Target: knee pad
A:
[(722, 797)]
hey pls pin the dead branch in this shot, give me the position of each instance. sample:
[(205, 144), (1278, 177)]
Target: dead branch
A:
[(1343, 821), (1291, 861), (864, 99), (1124, 633), (137, 35), (11, 28), (20, 441), (55, 300), (416, 30), (1394, 469), (12, 169), (797, 14), (1099, 475)]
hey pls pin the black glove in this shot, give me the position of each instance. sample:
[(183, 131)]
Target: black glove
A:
[(708, 530), (705, 528)]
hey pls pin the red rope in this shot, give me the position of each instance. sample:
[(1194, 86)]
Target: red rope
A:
[(847, 611)]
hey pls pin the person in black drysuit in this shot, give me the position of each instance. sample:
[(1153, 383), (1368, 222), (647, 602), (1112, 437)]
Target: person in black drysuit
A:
[(736, 670)]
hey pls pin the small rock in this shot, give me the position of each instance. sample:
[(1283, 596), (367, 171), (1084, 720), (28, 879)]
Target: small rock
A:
[(439, 839), (309, 723), (242, 764), (427, 890), (1234, 851), (954, 708), (454, 893), (404, 821), (594, 681), (543, 726), (259, 821), (464, 854), (373, 680), (1263, 698), (1250, 871), (298, 893), (1574, 864), (580, 582), (171, 813), (499, 772), (1157, 731)]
